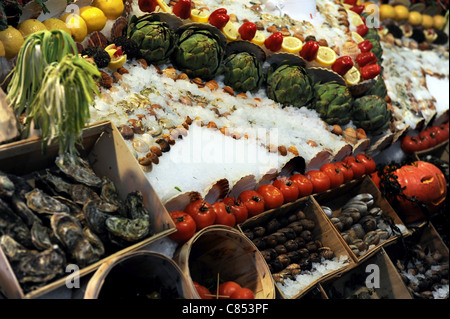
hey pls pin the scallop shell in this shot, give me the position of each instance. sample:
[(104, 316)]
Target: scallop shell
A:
[(218, 190), (292, 59), (245, 46), (97, 39), (172, 20), (180, 201), (361, 88), (441, 118), (361, 146), (325, 75), (205, 26), (400, 133), (119, 27), (318, 160), (267, 177), (246, 183), (382, 143), (343, 152), (351, 49), (294, 164)]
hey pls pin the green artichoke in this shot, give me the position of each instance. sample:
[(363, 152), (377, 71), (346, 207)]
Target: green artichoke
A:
[(374, 38), (333, 102), (156, 40), (199, 53), (370, 113), (379, 88), (243, 72), (289, 85)]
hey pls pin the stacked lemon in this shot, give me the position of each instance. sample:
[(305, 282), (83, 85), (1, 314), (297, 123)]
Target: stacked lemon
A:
[(12, 40)]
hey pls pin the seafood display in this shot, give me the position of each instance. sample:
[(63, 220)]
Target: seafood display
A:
[(62, 215)]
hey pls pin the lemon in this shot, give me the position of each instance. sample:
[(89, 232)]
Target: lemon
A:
[(116, 62), (326, 56), (369, 7), (56, 24), (438, 21), (2, 50), (386, 12), (259, 38), (30, 26), (164, 7), (401, 12), (427, 21), (111, 8), (415, 18), (12, 40), (357, 37), (292, 44), (352, 76), (94, 17), (231, 31), (76, 25), (354, 18), (200, 16)]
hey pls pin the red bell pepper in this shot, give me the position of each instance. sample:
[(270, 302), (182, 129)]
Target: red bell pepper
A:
[(366, 58), (370, 71), (147, 5), (362, 29), (247, 30), (219, 18), (309, 50), (358, 9), (182, 9), (274, 42), (365, 46), (342, 65)]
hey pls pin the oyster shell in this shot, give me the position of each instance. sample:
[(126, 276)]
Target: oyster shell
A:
[(59, 184), (79, 170), (81, 194), (96, 213), (130, 230), (41, 236), (134, 204), (6, 186), (42, 203), (13, 225), (21, 209), (109, 194)]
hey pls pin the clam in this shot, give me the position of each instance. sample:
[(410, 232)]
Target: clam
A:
[(42, 203), (140, 145), (371, 238)]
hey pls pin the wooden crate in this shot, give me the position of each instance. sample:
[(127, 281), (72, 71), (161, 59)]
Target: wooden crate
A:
[(336, 198), (109, 156), (323, 231)]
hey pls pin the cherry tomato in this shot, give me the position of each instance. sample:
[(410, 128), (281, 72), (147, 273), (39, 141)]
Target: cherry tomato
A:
[(334, 173), (227, 288), (185, 225), (202, 291), (223, 214), (273, 197), (288, 187), (348, 173), (305, 187), (237, 208), (367, 161), (147, 5), (253, 201), (274, 41), (357, 168), (411, 144), (321, 182), (202, 212), (247, 30), (243, 293)]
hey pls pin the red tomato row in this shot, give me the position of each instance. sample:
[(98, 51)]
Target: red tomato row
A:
[(231, 211), (426, 139), (227, 290)]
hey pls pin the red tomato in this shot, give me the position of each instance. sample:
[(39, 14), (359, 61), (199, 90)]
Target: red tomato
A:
[(305, 187), (357, 168), (238, 209), (288, 188), (410, 144), (202, 212), (345, 169), (224, 215), (185, 225), (367, 161), (253, 201), (334, 173), (321, 182), (227, 288), (273, 197), (202, 291), (431, 137), (243, 293)]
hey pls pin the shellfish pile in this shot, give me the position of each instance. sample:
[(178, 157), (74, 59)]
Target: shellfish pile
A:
[(65, 215)]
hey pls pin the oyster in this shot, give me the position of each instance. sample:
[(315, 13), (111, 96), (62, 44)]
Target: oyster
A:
[(31, 266), (6, 186), (70, 233), (21, 209), (59, 184), (81, 194), (42, 203), (13, 225), (79, 170), (96, 213), (75, 210), (134, 204), (109, 194), (41, 236), (130, 230)]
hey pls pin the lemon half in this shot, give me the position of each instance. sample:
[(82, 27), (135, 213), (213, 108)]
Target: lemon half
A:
[(326, 56), (259, 38), (292, 44), (353, 76), (200, 16), (231, 31)]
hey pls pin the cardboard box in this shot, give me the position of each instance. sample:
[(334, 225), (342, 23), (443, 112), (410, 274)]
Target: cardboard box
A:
[(109, 156), (323, 231), (336, 198)]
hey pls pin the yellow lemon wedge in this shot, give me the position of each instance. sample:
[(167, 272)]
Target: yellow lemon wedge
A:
[(200, 16), (352, 76), (231, 31), (259, 38), (326, 56), (357, 37), (164, 7), (116, 61), (354, 18), (292, 44)]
